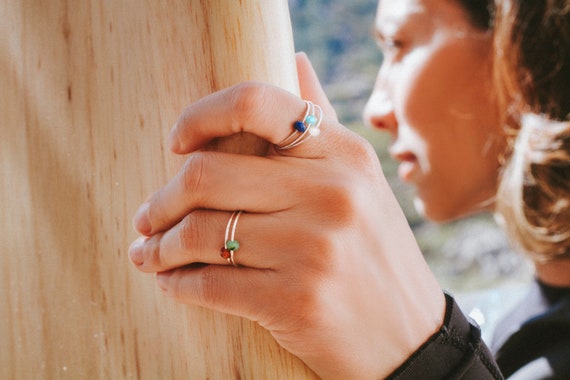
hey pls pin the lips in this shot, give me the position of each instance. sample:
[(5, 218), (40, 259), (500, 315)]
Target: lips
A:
[(408, 164)]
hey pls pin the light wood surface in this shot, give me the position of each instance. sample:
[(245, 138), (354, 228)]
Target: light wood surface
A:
[(88, 93)]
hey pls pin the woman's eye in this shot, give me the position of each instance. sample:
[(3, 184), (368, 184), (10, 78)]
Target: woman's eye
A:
[(391, 47), (393, 44)]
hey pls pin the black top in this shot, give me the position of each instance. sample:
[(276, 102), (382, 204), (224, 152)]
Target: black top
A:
[(533, 342), (456, 351)]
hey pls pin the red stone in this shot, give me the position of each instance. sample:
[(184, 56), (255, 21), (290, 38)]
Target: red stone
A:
[(225, 253)]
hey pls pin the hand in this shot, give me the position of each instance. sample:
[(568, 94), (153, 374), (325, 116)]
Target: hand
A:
[(327, 261)]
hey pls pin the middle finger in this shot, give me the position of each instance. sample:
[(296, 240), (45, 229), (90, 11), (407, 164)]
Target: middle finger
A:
[(224, 182)]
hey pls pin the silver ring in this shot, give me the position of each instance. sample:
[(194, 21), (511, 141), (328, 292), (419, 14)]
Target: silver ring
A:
[(230, 243), (305, 128)]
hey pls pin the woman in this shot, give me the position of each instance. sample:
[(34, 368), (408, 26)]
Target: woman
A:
[(434, 95), (349, 292)]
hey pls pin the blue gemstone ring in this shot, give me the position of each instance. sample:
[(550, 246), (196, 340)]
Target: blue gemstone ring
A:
[(303, 129)]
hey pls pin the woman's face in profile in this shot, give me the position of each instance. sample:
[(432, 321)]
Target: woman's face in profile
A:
[(434, 96)]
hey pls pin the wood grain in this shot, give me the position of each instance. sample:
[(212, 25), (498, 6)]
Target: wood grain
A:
[(89, 91)]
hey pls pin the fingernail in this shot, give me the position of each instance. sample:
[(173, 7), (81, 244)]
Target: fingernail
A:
[(141, 221), (136, 251)]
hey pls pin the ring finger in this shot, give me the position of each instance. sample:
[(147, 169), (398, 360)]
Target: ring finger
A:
[(200, 238)]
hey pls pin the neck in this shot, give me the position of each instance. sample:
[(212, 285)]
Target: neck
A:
[(554, 273)]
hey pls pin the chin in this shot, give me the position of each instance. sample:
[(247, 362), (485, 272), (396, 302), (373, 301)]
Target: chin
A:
[(440, 214)]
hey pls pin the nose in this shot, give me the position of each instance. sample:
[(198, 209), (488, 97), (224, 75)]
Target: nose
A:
[(379, 110)]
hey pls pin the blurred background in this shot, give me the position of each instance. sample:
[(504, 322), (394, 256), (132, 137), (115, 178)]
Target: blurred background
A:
[(469, 256)]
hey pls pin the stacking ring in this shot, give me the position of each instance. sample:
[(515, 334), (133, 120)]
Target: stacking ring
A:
[(303, 129), (230, 244)]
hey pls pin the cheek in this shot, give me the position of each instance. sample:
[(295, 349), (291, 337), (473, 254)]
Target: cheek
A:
[(459, 175), (461, 182), (444, 96), (421, 92), (445, 87), (463, 157)]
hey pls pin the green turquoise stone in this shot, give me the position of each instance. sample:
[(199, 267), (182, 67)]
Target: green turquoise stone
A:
[(232, 245)]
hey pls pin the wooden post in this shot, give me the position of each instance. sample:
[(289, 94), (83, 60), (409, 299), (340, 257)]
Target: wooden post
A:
[(89, 91)]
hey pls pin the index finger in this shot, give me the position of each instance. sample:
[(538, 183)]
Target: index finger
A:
[(266, 111)]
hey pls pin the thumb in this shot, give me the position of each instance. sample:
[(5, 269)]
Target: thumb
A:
[(310, 86)]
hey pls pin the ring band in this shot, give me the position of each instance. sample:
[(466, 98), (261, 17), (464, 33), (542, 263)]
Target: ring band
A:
[(230, 244), (305, 128)]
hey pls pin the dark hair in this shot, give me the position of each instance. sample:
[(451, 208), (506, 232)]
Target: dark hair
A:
[(480, 12)]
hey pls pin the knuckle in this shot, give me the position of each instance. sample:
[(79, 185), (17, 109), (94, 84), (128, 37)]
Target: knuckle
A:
[(363, 150), (193, 228), (207, 289), (178, 290), (203, 288), (317, 250), (308, 298), (156, 209), (340, 200), (246, 100), (192, 176), (152, 252), (321, 243), (346, 189), (359, 151), (188, 233)]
